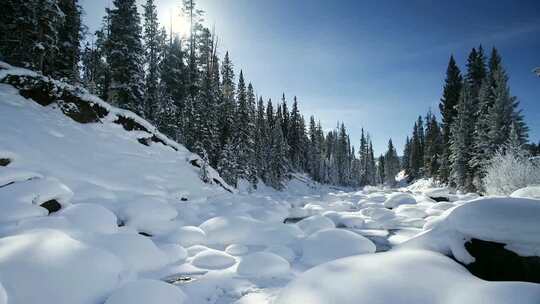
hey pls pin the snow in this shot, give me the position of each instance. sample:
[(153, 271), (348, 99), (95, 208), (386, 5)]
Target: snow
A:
[(174, 253), (527, 192), (91, 217), (331, 244), (49, 266), (283, 251), (510, 221), (396, 199), (186, 236), (236, 249), (411, 276), (37, 191), (147, 291), (315, 223), (262, 264), (10, 175), (213, 259), (230, 229)]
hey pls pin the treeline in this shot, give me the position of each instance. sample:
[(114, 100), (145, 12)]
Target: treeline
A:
[(184, 87), (479, 116)]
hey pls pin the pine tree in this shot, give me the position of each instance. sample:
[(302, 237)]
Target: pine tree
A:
[(262, 141), (371, 169), (381, 178), (228, 103), (391, 164), (406, 163), (69, 35), (227, 165), (278, 168), (153, 44), (432, 146), (243, 132), (295, 134), (452, 89), (461, 141), (126, 56)]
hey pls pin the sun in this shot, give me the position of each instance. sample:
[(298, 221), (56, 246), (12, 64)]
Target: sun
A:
[(175, 22)]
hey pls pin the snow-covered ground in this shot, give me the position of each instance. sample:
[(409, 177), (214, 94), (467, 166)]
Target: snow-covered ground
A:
[(137, 225)]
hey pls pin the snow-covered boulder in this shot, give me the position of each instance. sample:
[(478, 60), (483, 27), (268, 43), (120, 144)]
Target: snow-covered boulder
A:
[(237, 249), (230, 229), (376, 197), (174, 252), (410, 211), (213, 259), (397, 199), (283, 251), (11, 175), (195, 249), (91, 218), (331, 244), (48, 266), (142, 212), (438, 194), (186, 236), (315, 223), (375, 213), (147, 291), (262, 264), (352, 220), (402, 276), (527, 192), (37, 192), (13, 211), (137, 252)]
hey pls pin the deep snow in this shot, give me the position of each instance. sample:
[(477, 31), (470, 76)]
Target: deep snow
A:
[(134, 217)]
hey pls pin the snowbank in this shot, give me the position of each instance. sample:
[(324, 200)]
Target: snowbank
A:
[(213, 259), (419, 277), (331, 244), (527, 192), (397, 199), (147, 291), (49, 266)]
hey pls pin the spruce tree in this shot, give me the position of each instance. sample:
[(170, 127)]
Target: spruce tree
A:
[(391, 164), (126, 56), (228, 103), (452, 89), (69, 36), (278, 167), (153, 45)]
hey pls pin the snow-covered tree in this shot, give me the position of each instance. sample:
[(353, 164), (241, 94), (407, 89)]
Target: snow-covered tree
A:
[(391, 165), (153, 50), (126, 56)]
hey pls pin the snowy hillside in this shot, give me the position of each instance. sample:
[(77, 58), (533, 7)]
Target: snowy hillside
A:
[(98, 207)]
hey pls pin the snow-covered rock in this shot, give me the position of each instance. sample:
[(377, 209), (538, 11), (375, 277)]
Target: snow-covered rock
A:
[(49, 266), (419, 277), (213, 259), (315, 223), (174, 252), (147, 291), (186, 236), (237, 249), (331, 244), (377, 213), (230, 229), (262, 264), (11, 175), (91, 217), (527, 192), (412, 211), (37, 192), (283, 251), (397, 199)]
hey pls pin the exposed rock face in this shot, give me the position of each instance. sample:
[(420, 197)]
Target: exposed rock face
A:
[(495, 263), (4, 162), (52, 206)]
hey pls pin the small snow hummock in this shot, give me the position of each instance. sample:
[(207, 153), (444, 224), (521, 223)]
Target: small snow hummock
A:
[(396, 199), (527, 192), (213, 259), (236, 249), (147, 291), (186, 236), (262, 264), (315, 223), (91, 217), (230, 229), (331, 244)]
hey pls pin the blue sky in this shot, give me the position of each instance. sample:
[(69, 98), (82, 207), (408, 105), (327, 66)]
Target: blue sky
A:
[(371, 64)]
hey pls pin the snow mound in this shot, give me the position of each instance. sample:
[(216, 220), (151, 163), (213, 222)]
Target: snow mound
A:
[(230, 229), (147, 291), (411, 211), (147, 210), (10, 175), (48, 265), (377, 213), (137, 252), (419, 277), (236, 249), (262, 264), (510, 221), (186, 236), (315, 223), (283, 251), (437, 192), (397, 199), (13, 211), (376, 197), (175, 253), (37, 192), (91, 217), (213, 259), (331, 244), (527, 192)]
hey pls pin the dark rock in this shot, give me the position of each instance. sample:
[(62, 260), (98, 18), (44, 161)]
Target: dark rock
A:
[(120, 223), (183, 199), (144, 141), (495, 263), (129, 124), (195, 163), (52, 206), (145, 234), (292, 220), (4, 162), (439, 198)]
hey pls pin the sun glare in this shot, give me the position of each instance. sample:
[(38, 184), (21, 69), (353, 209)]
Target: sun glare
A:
[(176, 23)]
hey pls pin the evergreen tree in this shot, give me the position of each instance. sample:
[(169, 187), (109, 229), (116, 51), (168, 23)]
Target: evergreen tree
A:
[(452, 89), (381, 178), (227, 166), (432, 146), (126, 56), (262, 141), (228, 103), (69, 35), (295, 134), (391, 164), (461, 141), (153, 45), (278, 168), (243, 132)]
